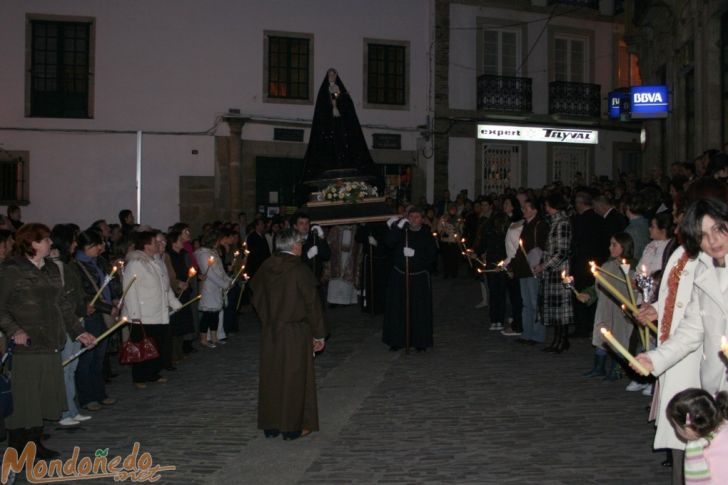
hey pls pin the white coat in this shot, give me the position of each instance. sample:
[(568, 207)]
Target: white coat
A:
[(150, 297), (686, 372), (215, 282), (704, 322)]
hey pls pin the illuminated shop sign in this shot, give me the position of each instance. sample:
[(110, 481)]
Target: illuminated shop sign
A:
[(538, 133), (648, 101), (616, 100)]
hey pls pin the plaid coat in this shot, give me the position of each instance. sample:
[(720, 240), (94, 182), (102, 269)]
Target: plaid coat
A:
[(557, 305)]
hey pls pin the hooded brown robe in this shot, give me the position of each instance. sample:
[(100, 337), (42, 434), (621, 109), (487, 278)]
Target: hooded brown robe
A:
[(285, 295)]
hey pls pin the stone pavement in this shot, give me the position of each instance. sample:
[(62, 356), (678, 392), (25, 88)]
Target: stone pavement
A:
[(478, 408)]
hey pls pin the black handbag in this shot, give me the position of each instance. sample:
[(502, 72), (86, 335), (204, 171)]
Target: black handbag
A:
[(6, 396)]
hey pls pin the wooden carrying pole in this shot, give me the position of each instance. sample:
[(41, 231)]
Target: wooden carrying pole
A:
[(406, 294), (371, 278)]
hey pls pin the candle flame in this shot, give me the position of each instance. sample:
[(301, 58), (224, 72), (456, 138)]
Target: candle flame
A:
[(462, 240), (245, 275), (644, 270), (624, 261), (192, 272), (604, 331), (211, 260), (236, 253), (480, 270), (520, 241), (500, 265), (434, 234), (455, 235), (563, 275), (724, 344), (462, 252), (113, 269), (247, 252)]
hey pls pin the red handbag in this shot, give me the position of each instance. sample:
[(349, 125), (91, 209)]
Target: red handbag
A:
[(135, 352)]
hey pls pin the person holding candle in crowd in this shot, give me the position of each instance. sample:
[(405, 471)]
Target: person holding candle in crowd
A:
[(661, 228), (534, 236), (35, 314), (148, 303), (64, 246), (675, 288), (90, 382), (512, 210), (704, 230), (178, 270), (702, 421), (449, 233), (214, 282), (609, 313), (557, 308), (493, 247)]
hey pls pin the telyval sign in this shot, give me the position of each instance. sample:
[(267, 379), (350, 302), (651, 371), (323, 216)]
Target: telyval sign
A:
[(538, 133)]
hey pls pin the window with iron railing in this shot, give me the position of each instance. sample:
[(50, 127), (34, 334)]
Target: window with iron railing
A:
[(504, 93), (13, 177), (576, 99), (59, 69), (578, 3)]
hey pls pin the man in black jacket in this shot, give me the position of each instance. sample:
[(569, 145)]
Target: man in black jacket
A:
[(590, 243), (315, 249), (615, 220)]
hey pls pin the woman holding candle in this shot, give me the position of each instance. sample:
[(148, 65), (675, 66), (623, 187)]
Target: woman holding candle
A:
[(148, 303), (704, 230), (557, 308), (215, 282), (609, 313), (90, 381), (64, 246), (35, 314), (181, 322)]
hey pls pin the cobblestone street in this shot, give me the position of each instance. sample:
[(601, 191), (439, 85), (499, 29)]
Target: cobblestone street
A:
[(478, 408)]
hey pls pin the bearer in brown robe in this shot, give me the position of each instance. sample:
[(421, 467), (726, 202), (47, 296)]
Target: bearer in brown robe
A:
[(285, 295)]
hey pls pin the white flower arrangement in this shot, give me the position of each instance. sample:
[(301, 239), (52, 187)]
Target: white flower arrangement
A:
[(349, 191)]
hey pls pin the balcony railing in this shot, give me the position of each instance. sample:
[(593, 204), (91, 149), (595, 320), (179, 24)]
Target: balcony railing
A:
[(504, 93), (577, 99), (579, 3)]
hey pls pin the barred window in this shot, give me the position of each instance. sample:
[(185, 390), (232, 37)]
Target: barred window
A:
[(288, 67), (60, 69), (386, 74)]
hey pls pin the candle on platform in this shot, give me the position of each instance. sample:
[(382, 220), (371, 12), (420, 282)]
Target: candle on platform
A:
[(107, 280), (624, 352)]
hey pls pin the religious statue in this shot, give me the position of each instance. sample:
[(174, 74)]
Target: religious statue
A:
[(336, 149)]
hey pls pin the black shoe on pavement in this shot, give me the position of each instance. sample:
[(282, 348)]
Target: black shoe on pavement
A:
[(271, 433)]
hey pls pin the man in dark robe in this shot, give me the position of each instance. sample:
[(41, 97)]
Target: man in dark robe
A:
[(374, 266), (409, 240), (315, 251), (285, 296)]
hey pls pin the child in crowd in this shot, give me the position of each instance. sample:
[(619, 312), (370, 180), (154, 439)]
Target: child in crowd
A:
[(609, 314), (702, 421)]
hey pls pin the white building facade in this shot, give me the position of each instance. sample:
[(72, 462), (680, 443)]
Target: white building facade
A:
[(521, 94), (181, 109)]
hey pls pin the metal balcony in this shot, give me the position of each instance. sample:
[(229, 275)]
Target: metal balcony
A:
[(504, 93), (575, 99), (579, 3)]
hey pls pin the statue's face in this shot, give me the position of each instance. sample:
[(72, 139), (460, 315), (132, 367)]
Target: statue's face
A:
[(331, 74)]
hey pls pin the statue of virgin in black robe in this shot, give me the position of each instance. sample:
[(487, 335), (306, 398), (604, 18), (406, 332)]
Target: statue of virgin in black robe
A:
[(336, 148)]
